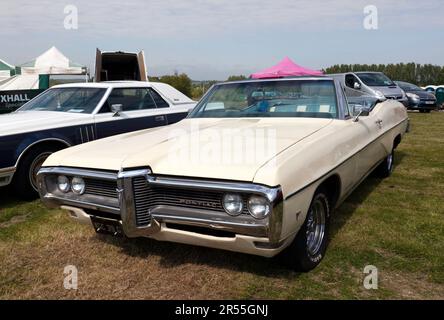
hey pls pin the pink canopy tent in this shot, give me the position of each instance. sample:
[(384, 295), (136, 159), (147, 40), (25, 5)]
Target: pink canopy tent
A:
[(285, 68)]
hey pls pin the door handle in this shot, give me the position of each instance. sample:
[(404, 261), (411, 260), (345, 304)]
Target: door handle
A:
[(379, 123), (159, 118)]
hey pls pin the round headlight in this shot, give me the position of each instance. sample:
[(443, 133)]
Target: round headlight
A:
[(63, 183), (259, 207), (78, 185), (233, 204)]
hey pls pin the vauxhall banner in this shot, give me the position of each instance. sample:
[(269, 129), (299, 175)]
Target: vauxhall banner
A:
[(13, 99)]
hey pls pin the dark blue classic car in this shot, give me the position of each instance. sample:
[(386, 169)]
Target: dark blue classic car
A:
[(71, 114)]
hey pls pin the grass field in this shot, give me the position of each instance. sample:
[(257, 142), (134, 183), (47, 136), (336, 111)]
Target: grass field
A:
[(396, 225)]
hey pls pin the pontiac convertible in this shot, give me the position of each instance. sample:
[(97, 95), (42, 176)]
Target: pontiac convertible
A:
[(70, 114), (257, 167)]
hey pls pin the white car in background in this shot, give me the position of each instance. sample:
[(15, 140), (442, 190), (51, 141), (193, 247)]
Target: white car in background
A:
[(71, 114)]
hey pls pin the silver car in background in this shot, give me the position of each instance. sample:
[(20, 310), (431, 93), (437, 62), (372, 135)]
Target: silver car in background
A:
[(375, 84)]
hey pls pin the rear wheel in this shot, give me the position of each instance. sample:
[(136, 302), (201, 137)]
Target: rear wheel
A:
[(310, 244), (25, 179)]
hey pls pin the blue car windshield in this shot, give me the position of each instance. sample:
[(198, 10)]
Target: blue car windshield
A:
[(76, 100), (283, 98)]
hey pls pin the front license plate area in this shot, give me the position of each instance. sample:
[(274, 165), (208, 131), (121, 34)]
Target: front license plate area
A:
[(106, 226)]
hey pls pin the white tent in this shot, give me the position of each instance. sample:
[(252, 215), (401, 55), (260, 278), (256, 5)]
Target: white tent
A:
[(20, 82), (52, 62), (6, 70)]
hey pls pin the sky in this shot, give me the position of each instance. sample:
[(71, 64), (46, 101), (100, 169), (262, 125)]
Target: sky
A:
[(212, 39)]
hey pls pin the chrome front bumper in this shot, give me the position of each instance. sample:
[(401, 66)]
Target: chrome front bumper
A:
[(6, 175), (267, 231)]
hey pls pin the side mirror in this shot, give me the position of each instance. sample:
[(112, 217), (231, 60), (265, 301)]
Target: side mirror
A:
[(357, 86), (360, 111), (116, 109)]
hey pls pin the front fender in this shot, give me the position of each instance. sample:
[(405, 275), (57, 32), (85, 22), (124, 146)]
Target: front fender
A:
[(13, 147)]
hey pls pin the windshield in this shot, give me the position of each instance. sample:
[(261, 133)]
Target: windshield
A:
[(408, 86), (376, 79), (77, 100), (283, 98)]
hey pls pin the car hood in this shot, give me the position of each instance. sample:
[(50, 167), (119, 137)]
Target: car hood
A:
[(207, 148), (28, 121), (389, 91)]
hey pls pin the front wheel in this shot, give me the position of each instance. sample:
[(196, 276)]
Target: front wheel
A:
[(385, 169), (310, 244), (25, 179)]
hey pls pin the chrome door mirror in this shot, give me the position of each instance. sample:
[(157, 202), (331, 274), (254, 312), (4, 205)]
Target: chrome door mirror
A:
[(357, 86), (116, 109), (360, 111)]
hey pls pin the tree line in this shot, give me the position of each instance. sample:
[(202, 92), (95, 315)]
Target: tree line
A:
[(419, 74)]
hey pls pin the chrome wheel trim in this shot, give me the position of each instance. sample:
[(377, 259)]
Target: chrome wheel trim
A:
[(35, 167), (315, 227)]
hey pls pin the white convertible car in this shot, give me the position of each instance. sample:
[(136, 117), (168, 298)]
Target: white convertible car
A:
[(258, 167)]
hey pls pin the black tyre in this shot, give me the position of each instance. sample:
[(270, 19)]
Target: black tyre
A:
[(25, 183), (385, 169), (310, 244), (428, 111)]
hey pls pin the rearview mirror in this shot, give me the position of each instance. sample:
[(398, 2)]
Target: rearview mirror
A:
[(357, 86), (116, 109)]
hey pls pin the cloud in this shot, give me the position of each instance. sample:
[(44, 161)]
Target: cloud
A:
[(194, 18)]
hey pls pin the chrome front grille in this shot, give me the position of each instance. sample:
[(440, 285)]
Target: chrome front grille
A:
[(102, 188), (147, 197)]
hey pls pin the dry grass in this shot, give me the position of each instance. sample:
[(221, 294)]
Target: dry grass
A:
[(396, 224)]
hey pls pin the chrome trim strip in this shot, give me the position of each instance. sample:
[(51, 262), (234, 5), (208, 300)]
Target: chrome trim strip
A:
[(81, 204), (245, 229), (6, 175), (36, 142), (270, 193), (133, 173), (7, 171), (78, 172)]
